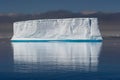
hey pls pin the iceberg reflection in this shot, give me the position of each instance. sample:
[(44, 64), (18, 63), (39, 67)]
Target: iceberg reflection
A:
[(50, 57)]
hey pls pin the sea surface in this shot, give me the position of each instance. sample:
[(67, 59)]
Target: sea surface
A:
[(60, 60)]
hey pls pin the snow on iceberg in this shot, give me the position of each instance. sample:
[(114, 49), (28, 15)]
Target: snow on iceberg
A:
[(57, 29)]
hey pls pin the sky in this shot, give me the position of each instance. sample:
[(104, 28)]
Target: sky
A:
[(37, 6)]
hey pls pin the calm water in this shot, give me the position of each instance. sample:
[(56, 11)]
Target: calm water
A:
[(60, 61)]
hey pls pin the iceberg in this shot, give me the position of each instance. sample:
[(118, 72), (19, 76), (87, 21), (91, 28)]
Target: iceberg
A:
[(68, 29)]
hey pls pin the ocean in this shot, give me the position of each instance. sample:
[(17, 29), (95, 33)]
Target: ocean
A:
[(60, 60)]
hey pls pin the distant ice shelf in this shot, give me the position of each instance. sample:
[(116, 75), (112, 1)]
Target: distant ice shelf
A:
[(69, 29)]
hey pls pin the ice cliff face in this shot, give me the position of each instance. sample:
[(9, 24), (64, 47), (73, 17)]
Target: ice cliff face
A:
[(57, 29)]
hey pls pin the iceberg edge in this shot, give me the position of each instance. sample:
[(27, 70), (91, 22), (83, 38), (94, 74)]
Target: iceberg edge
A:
[(56, 40)]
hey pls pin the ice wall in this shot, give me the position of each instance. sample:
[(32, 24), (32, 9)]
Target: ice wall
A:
[(57, 29)]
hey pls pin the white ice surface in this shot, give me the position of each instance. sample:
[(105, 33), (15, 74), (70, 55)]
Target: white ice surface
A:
[(57, 29)]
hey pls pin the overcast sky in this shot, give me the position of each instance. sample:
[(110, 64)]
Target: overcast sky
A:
[(36, 6)]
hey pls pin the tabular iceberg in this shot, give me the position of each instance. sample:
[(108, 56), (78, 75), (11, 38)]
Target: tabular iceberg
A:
[(57, 29)]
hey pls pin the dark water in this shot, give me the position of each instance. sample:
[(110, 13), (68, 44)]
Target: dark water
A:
[(60, 61)]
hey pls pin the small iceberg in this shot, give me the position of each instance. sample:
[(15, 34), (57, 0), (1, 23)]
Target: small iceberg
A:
[(68, 29)]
